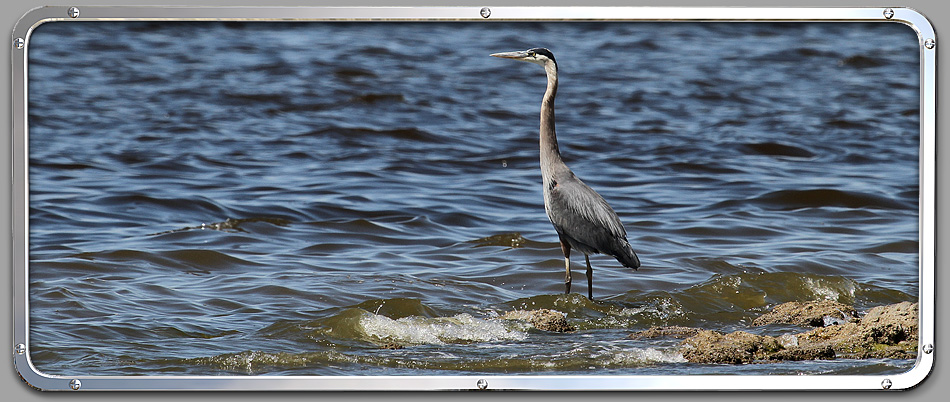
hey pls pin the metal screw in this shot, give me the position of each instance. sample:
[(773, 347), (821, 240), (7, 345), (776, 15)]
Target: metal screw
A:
[(929, 43), (482, 384), (19, 43), (928, 348), (73, 12), (485, 12), (75, 384), (20, 349), (888, 13), (886, 384)]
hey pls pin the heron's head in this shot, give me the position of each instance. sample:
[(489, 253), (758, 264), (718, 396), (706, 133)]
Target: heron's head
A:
[(538, 55)]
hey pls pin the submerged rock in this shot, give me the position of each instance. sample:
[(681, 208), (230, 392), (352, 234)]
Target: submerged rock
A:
[(543, 319), (810, 314), (512, 240), (666, 332), (391, 345)]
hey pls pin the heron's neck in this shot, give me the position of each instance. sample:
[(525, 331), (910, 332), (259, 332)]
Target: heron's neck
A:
[(549, 150)]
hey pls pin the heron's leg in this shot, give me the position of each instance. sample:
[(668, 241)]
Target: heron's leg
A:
[(590, 279), (566, 248), (567, 274)]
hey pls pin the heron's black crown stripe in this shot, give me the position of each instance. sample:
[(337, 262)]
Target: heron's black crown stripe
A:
[(545, 52)]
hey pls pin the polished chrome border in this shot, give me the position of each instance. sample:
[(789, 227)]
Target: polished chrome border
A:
[(20, 201)]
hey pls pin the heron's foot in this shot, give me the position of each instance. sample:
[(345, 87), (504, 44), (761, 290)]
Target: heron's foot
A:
[(567, 287)]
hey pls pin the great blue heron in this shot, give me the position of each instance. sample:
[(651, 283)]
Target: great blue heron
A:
[(582, 218)]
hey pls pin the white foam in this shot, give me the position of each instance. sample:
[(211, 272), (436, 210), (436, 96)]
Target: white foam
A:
[(440, 330)]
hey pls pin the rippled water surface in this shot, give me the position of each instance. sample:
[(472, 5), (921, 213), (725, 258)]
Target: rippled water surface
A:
[(306, 198)]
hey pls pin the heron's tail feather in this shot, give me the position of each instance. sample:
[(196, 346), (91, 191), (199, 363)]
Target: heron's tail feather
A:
[(627, 256)]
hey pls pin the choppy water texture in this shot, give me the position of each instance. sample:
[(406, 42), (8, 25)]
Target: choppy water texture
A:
[(294, 198)]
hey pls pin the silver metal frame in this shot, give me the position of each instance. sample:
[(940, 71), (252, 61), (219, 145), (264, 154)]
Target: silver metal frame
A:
[(20, 44)]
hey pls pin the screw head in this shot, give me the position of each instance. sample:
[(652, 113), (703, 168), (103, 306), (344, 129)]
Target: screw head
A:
[(485, 12), (888, 13), (929, 43), (886, 384), (482, 384), (928, 348), (75, 384), (19, 43), (73, 12), (20, 349)]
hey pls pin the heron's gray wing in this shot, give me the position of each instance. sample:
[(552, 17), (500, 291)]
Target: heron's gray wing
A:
[(578, 211)]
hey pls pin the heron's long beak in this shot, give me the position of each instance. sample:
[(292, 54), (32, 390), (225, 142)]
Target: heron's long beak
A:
[(512, 55)]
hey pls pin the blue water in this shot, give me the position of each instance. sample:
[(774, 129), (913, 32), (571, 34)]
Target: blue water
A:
[(286, 198)]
